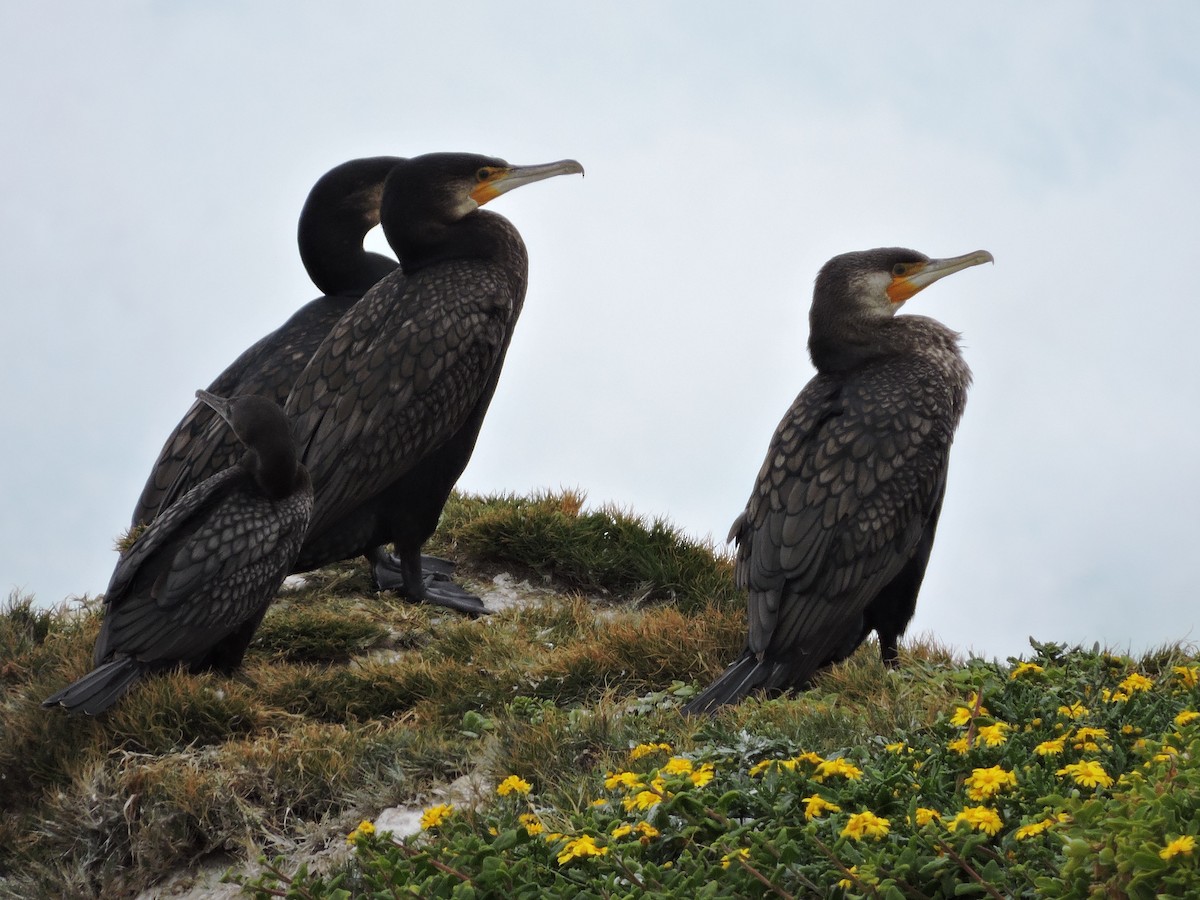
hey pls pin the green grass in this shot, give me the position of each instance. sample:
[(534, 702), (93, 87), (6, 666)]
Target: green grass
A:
[(351, 702)]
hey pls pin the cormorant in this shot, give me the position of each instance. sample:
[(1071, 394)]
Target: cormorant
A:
[(341, 208), (388, 410), (193, 587), (834, 541)]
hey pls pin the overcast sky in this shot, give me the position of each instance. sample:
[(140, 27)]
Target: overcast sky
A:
[(156, 156)]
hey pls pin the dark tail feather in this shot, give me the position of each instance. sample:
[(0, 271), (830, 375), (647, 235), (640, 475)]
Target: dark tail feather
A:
[(99, 689), (732, 685)]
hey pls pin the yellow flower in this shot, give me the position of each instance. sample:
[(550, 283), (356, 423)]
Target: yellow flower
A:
[(925, 816), (1187, 676), (1185, 845), (1026, 668), (981, 818), (677, 765), (600, 801), (1185, 717), (839, 766), (964, 714), (815, 805), (1088, 773), (1050, 748), (959, 746), (533, 825), (579, 848), (1074, 711), (513, 784), (1136, 682), (897, 747), (1113, 696), (762, 765), (1033, 829), (365, 829), (987, 783), (646, 749), (1087, 738), (621, 830), (641, 800), (847, 883), (436, 815), (702, 775), (740, 853), (647, 831), (628, 780), (866, 825), (993, 735), (807, 757)]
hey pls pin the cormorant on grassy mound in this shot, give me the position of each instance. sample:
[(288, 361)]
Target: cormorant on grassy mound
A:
[(388, 410), (834, 541), (193, 587), (341, 208)]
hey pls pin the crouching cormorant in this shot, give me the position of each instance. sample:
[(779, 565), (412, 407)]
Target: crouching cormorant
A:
[(388, 410), (834, 541), (341, 208), (193, 587)]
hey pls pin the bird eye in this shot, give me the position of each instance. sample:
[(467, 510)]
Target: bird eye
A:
[(899, 269), (483, 174)]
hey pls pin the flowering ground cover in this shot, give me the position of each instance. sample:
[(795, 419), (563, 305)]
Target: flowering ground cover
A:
[(1068, 773)]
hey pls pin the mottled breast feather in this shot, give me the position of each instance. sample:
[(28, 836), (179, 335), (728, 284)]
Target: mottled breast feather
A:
[(397, 376), (854, 472)]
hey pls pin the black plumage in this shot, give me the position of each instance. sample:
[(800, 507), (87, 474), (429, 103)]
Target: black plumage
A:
[(835, 539), (389, 408), (341, 208), (193, 587)]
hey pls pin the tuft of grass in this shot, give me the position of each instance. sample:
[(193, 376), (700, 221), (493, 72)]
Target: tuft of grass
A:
[(607, 550), (350, 700)]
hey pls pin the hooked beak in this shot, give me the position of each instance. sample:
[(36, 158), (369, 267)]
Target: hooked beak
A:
[(221, 406), (919, 276), (500, 180)]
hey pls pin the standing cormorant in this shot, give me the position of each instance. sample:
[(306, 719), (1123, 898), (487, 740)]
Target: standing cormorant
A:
[(835, 539), (193, 587), (341, 208), (388, 410)]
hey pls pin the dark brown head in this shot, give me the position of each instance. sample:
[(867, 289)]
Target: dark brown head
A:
[(260, 424), (856, 293), (427, 195), (341, 208)]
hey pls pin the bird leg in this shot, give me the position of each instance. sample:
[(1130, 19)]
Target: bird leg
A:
[(405, 576)]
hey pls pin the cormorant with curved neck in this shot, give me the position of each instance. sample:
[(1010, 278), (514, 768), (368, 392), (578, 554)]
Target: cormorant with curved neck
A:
[(193, 587), (341, 208), (837, 534), (389, 408)]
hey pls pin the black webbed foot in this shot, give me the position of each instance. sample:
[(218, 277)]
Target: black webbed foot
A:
[(428, 581)]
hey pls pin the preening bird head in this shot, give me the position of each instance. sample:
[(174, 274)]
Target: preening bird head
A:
[(261, 425)]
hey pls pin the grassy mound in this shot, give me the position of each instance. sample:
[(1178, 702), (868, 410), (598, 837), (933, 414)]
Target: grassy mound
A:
[(1072, 773)]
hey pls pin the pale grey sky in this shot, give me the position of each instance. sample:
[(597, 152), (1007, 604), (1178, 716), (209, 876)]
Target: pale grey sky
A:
[(156, 155)]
